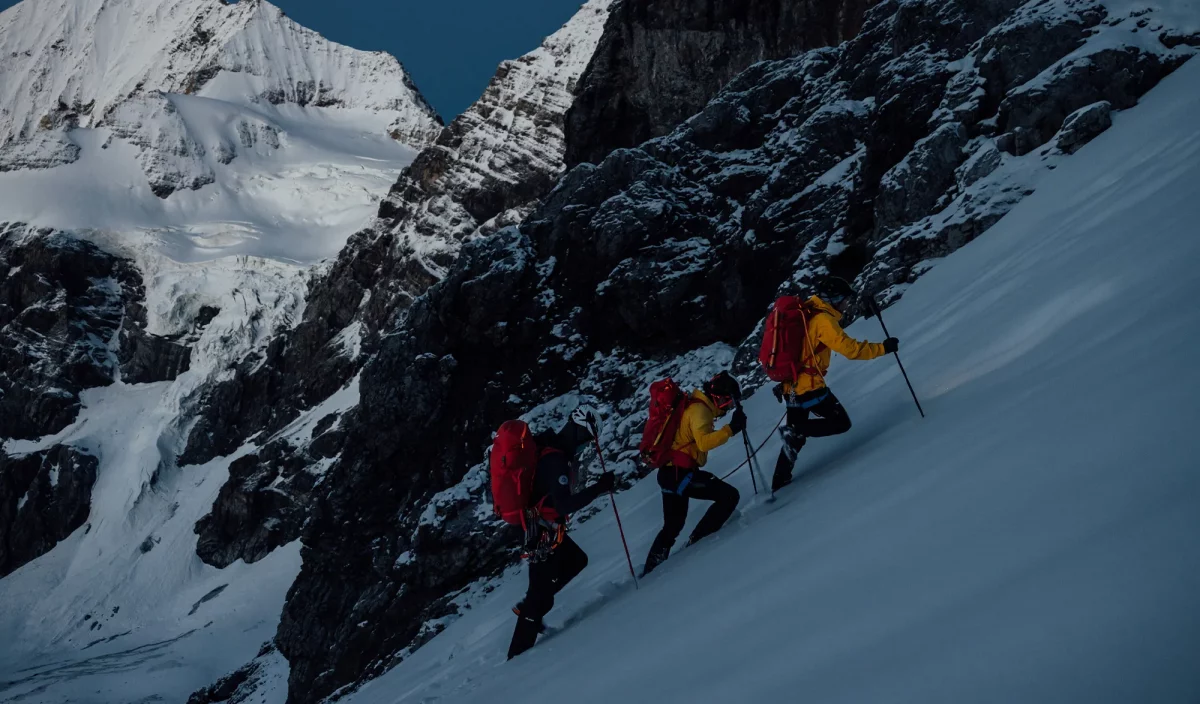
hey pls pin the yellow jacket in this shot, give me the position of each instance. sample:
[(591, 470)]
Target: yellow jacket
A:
[(824, 328), (696, 436)]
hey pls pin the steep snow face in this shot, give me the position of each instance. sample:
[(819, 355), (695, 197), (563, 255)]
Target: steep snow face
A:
[(70, 62), (1008, 547)]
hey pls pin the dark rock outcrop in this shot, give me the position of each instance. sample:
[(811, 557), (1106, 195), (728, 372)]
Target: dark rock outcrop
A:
[(70, 315), (44, 497), (240, 686), (660, 62), (61, 305), (1084, 125), (146, 357), (888, 142), (262, 506)]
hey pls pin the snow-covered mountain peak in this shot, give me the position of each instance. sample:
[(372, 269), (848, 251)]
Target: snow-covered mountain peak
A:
[(66, 63), (494, 161), (568, 51), (212, 129)]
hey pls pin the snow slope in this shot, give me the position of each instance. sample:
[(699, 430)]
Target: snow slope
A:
[(1032, 540)]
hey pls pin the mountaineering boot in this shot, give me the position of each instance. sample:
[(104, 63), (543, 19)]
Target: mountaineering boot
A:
[(654, 559), (780, 480), (524, 636), (792, 442)]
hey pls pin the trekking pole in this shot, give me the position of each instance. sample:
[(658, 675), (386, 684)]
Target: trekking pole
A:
[(612, 498), (750, 457), (879, 314), (749, 461)]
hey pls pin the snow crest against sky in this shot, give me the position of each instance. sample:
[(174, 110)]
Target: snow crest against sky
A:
[(450, 47)]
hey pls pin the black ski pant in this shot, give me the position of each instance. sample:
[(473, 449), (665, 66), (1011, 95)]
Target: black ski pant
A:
[(546, 578), (678, 487), (832, 420)]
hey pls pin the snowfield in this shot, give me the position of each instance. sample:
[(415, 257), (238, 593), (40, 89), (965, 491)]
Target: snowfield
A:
[(297, 201), (1032, 540)]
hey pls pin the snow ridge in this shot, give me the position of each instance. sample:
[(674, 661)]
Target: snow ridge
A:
[(508, 144)]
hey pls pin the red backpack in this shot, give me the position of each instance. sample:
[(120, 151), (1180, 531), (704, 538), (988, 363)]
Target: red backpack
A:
[(513, 464), (667, 404), (785, 346)]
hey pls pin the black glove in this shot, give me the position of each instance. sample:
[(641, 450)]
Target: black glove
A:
[(778, 391), (890, 345), (605, 483), (738, 422)]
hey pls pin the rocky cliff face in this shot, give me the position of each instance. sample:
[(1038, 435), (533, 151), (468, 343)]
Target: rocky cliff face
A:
[(489, 167), (660, 62), (908, 141), (61, 307), (44, 497)]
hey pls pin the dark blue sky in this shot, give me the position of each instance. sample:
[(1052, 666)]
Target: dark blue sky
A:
[(451, 47)]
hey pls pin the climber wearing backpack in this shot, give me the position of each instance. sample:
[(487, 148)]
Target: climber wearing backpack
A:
[(799, 336), (678, 437), (531, 487)]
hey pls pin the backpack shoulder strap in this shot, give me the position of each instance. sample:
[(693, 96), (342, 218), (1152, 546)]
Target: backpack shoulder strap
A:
[(808, 312)]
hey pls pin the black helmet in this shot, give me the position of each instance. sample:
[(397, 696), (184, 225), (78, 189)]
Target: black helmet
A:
[(723, 389), (834, 289)]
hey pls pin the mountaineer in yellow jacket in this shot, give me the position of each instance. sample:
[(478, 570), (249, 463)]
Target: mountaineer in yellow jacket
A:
[(808, 394), (696, 438)]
